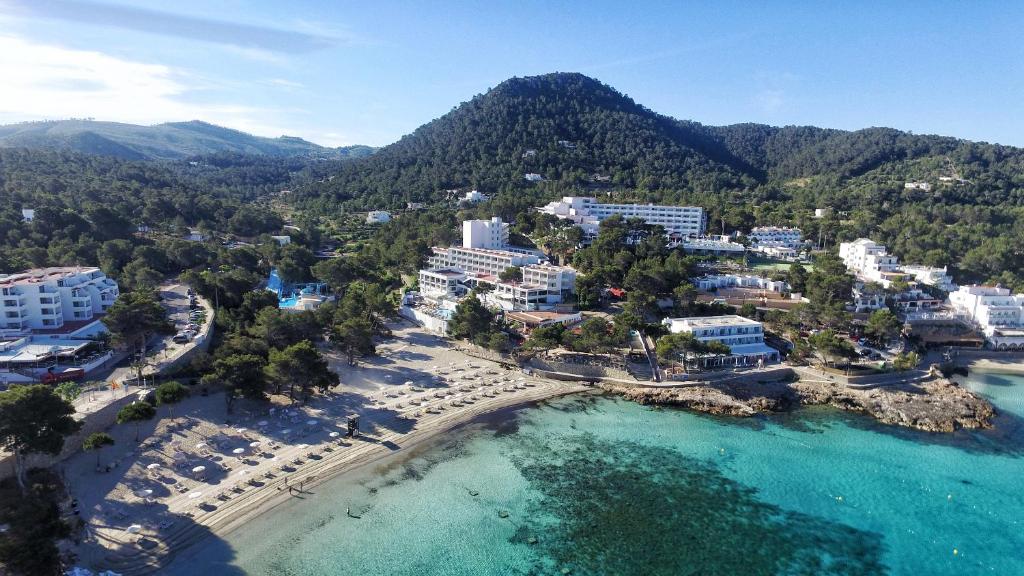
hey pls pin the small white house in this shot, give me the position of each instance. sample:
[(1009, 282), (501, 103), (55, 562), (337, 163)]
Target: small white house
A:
[(28, 214), (282, 240), (378, 217), (533, 177)]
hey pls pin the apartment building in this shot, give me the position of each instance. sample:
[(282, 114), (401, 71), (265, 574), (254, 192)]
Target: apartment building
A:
[(774, 236), (486, 234), (48, 298), (588, 213), (937, 277), (479, 261), (998, 312), (717, 246), (442, 282), (716, 281), (870, 261), (743, 336)]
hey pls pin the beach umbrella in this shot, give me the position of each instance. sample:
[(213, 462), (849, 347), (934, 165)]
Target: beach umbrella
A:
[(133, 529), (238, 451), (152, 466), (199, 469), (408, 382), (201, 445), (334, 434), (241, 430), (254, 444), (194, 495), (145, 493), (243, 472)]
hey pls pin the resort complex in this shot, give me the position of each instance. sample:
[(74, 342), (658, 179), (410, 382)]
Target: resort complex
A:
[(587, 213)]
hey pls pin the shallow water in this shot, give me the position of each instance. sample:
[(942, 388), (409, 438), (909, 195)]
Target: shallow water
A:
[(595, 485)]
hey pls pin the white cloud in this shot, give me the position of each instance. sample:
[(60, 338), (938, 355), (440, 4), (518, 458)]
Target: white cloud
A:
[(50, 82)]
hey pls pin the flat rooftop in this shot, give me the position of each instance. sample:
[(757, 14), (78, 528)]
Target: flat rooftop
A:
[(34, 275), (538, 316), (447, 272), (715, 321)]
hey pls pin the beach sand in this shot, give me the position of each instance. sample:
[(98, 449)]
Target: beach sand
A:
[(136, 520)]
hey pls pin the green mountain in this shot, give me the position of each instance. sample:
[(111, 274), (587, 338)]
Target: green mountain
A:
[(580, 134), (170, 141)]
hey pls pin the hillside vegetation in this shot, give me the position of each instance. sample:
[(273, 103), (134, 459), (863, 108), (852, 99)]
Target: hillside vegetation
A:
[(172, 140)]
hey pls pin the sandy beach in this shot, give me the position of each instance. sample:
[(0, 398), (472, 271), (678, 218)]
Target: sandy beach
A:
[(200, 472)]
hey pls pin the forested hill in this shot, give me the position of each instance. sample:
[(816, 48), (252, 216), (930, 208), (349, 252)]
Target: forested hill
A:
[(579, 134), (173, 140)]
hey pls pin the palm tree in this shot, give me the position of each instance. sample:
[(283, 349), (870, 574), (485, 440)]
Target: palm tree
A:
[(95, 442)]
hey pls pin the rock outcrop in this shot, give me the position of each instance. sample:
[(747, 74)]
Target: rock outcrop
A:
[(934, 405)]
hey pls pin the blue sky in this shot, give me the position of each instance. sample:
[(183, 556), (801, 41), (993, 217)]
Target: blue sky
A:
[(368, 72)]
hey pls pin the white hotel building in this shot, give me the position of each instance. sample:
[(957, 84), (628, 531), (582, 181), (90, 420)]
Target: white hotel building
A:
[(774, 236), (483, 256), (870, 261), (998, 313), (588, 213), (743, 336), (52, 299)]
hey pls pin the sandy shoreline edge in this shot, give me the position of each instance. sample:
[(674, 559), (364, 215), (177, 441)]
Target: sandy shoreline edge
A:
[(360, 454)]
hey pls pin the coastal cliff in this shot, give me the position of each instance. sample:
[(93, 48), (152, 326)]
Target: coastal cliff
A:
[(933, 405)]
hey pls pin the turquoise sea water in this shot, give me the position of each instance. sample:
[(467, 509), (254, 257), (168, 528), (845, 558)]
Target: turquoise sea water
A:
[(593, 485)]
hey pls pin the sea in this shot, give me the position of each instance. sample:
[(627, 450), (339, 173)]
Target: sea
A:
[(590, 484)]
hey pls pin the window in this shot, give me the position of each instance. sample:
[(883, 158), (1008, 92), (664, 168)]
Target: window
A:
[(10, 302), (47, 322)]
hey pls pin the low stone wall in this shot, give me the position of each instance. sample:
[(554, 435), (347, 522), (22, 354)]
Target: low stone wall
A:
[(97, 421), (586, 371)]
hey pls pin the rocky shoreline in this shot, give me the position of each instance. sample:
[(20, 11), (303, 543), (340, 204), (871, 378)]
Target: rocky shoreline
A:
[(934, 405)]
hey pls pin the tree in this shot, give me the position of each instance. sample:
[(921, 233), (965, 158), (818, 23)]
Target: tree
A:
[(354, 337), (471, 318), (294, 263), (882, 326), (545, 337), (670, 347), (241, 375), (497, 341), (133, 318), (68, 391), (170, 393), (685, 294), (828, 345), (595, 335), (33, 419), (511, 274), (796, 277), (300, 364), (137, 413), (906, 361), (95, 442), (748, 310), (829, 283)]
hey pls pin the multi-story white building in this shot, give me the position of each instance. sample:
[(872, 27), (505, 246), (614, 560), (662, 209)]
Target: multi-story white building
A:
[(716, 281), (486, 234), (937, 277), (774, 236), (442, 282), (712, 246), (588, 213), (47, 298), (378, 217), (998, 313), (472, 197), (743, 336), (479, 261), (482, 258), (870, 261)]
